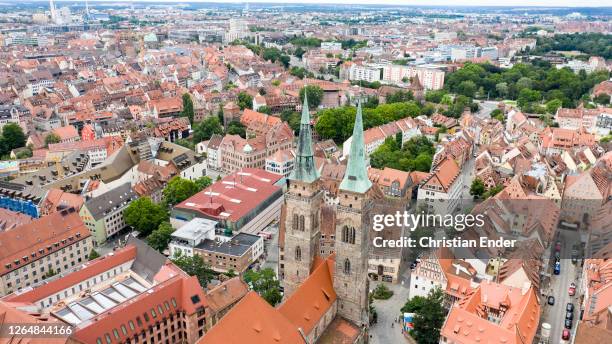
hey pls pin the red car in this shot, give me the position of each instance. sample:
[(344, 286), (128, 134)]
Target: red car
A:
[(572, 289), (565, 335)]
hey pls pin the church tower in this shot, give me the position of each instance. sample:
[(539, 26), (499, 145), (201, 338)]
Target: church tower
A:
[(303, 202), (351, 241)]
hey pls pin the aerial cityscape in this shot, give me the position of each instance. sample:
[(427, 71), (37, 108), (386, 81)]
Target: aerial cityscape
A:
[(329, 172)]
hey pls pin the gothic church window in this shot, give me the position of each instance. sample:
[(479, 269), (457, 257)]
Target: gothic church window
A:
[(302, 223), (347, 266), (298, 254)]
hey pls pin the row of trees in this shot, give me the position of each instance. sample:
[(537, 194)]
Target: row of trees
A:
[(594, 44), (337, 123), (533, 86)]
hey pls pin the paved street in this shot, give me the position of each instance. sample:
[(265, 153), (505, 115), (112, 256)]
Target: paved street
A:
[(485, 108), (271, 249), (555, 314), (388, 311)]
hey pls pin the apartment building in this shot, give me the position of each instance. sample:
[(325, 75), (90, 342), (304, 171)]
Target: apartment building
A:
[(131, 295), (358, 72), (234, 153), (430, 78), (37, 250), (441, 190), (103, 215), (493, 313)]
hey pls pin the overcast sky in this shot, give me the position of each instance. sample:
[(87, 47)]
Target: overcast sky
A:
[(549, 3)]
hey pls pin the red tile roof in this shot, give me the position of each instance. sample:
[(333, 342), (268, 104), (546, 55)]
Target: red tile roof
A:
[(235, 195), (23, 244)]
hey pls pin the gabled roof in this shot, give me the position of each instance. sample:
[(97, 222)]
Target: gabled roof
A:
[(252, 321), (311, 301)]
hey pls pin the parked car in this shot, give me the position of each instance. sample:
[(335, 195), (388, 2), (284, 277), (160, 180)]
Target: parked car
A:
[(566, 334), (557, 270), (569, 315), (570, 307), (551, 300), (568, 324), (558, 246), (572, 289), (412, 266)]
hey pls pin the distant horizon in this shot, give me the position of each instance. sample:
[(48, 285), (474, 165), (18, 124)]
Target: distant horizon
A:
[(423, 3)]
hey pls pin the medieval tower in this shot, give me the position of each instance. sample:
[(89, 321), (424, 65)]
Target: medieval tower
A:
[(304, 199), (351, 240)]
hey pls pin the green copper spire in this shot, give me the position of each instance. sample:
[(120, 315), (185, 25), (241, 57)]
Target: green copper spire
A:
[(356, 175), (304, 169)]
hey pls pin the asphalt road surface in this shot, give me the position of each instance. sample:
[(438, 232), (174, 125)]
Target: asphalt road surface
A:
[(555, 314)]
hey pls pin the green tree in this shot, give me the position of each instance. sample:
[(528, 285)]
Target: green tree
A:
[(299, 52), (553, 105), (144, 215), (245, 101), (160, 238), (382, 292), (493, 191), (203, 182), (13, 137), (206, 129), (467, 88), (185, 143), (315, 95), (265, 283), (188, 107), (52, 138), (400, 96), (265, 109), (93, 254), (429, 316), (435, 96), (236, 128), (477, 188), (195, 266), (602, 98), (178, 190)]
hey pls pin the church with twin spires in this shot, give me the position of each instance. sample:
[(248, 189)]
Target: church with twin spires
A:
[(325, 298)]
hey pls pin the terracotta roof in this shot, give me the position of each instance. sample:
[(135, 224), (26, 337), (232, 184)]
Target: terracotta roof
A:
[(311, 301), (235, 195), (226, 293), (23, 244), (253, 321), (66, 133), (11, 315)]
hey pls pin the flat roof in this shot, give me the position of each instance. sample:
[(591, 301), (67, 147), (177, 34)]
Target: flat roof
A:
[(236, 246), (194, 228)]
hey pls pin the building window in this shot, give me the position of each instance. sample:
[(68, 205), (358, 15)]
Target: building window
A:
[(347, 266), (348, 235), (294, 225), (298, 254), (302, 223)]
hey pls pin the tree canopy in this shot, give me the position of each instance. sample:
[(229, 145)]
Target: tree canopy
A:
[(315, 95), (144, 215), (160, 238), (188, 107), (245, 101), (337, 123), (429, 316), (179, 189), (528, 84), (265, 283), (206, 129), (415, 155), (195, 266), (12, 137)]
